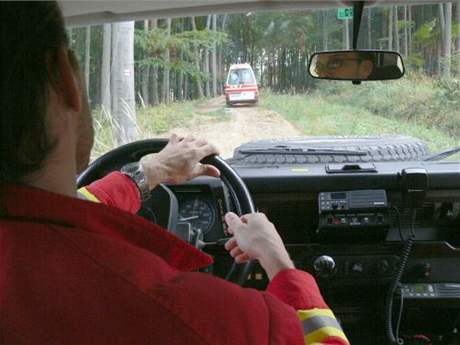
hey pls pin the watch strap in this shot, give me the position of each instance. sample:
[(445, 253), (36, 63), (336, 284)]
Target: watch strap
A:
[(136, 173)]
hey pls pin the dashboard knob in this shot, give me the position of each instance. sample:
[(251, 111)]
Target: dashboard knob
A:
[(383, 268), (324, 266), (423, 270)]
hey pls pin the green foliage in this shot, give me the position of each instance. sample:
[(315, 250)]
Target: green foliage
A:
[(160, 119), (427, 33), (430, 110), (419, 100), (181, 46), (415, 62), (448, 90)]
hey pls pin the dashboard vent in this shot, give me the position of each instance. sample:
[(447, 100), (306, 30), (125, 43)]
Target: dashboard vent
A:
[(449, 290)]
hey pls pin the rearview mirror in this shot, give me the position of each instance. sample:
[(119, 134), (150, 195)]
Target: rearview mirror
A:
[(356, 65)]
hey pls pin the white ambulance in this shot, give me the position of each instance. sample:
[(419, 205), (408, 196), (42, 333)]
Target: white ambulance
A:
[(241, 85)]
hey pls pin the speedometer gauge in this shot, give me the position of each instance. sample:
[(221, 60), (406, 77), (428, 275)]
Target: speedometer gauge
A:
[(199, 213)]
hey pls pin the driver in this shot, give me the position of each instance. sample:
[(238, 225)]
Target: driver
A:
[(74, 271), (345, 65)]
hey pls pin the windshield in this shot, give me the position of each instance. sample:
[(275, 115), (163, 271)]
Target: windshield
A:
[(240, 76), (237, 78)]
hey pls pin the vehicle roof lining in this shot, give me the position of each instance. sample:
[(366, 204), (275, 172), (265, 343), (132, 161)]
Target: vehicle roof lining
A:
[(81, 13)]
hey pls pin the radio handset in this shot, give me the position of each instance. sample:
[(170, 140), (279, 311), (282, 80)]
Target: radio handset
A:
[(414, 185)]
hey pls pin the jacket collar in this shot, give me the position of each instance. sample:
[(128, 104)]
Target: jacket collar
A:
[(40, 206)]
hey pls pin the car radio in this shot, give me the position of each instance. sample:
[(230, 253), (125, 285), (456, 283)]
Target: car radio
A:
[(359, 215)]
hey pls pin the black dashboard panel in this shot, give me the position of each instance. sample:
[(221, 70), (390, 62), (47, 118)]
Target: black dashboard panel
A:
[(314, 178), (356, 288)]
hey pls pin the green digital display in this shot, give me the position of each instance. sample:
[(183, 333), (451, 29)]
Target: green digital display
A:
[(419, 288)]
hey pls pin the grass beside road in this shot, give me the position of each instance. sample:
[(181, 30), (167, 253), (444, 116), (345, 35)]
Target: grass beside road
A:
[(155, 121), (405, 107)]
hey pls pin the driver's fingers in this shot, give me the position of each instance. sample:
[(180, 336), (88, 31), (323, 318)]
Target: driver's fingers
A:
[(242, 258), (207, 169), (230, 244), (200, 142), (174, 138), (207, 150), (233, 222), (236, 252), (244, 218), (189, 138)]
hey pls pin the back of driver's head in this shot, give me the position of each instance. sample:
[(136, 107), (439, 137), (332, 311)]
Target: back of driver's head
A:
[(31, 35)]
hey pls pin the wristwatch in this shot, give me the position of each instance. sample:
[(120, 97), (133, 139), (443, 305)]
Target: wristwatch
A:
[(136, 173)]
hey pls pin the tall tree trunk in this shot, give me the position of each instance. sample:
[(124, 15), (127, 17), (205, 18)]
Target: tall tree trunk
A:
[(214, 58), (221, 58), (443, 22), (123, 101), (324, 29), (165, 94), (448, 40), (443, 37), (87, 56), (105, 68), (405, 49), (439, 58), (442, 46), (197, 54), (180, 83), (154, 69), (390, 28), (458, 38), (369, 28), (397, 41), (145, 73), (409, 43), (206, 61), (186, 88), (220, 73), (346, 34), (458, 31), (180, 94)]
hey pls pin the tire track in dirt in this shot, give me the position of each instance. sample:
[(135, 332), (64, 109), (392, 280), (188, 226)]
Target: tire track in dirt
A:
[(246, 123)]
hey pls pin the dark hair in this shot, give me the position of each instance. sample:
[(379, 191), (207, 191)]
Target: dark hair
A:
[(31, 35)]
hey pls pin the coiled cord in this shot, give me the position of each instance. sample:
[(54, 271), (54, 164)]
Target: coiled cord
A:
[(394, 338)]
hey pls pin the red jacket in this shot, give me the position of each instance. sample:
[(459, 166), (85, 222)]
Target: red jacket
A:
[(78, 272)]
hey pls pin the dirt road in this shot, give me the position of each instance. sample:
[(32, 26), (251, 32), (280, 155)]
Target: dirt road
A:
[(244, 123)]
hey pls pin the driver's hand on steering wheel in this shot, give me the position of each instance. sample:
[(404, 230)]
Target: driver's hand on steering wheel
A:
[(255, 238), (179, 161)]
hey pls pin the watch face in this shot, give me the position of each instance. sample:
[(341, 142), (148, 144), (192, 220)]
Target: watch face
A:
[(135, 172), (131, 168)]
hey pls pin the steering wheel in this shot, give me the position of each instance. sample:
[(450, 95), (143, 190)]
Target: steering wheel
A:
[(132, 152)]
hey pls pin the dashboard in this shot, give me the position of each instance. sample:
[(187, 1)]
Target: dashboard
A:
[(354, 249)]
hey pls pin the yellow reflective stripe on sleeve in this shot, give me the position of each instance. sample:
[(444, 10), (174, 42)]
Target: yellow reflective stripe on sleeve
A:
[(312, 324), (319, 324), (318, 336), (86, 194), (306, 314)]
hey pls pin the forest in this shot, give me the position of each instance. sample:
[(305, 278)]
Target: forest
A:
[(133, 65)]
